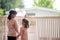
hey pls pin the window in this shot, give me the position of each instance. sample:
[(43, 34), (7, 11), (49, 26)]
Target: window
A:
[(31, 14)]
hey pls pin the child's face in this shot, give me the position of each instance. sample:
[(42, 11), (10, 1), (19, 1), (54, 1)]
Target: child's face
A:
[(23, 23)]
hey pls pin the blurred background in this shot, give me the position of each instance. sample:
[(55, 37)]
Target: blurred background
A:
[(6, 5), (43, 15)]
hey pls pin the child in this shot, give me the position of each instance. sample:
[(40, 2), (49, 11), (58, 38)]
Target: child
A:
[(23, 30)]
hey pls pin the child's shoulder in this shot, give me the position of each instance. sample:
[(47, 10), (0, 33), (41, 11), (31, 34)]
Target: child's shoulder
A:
[(22, 28)]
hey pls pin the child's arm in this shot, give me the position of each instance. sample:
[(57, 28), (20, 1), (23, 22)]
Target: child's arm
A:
[(21, 32)]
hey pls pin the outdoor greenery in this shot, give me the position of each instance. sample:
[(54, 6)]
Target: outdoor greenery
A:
[(10, 4), (59, 13), (43, 3), (6, 5), (1, 12)]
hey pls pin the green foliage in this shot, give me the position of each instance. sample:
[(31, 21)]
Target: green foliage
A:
[(59, 13), (11, 4), (1, 12), (19, 4), (43, 3), (0, 2)]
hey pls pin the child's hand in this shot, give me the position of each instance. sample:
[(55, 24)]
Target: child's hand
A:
[(18, 36)]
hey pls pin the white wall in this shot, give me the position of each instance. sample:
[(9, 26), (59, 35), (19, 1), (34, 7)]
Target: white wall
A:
[(45, 13)]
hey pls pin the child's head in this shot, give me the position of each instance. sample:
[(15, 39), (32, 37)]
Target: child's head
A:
[(25, 22)]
